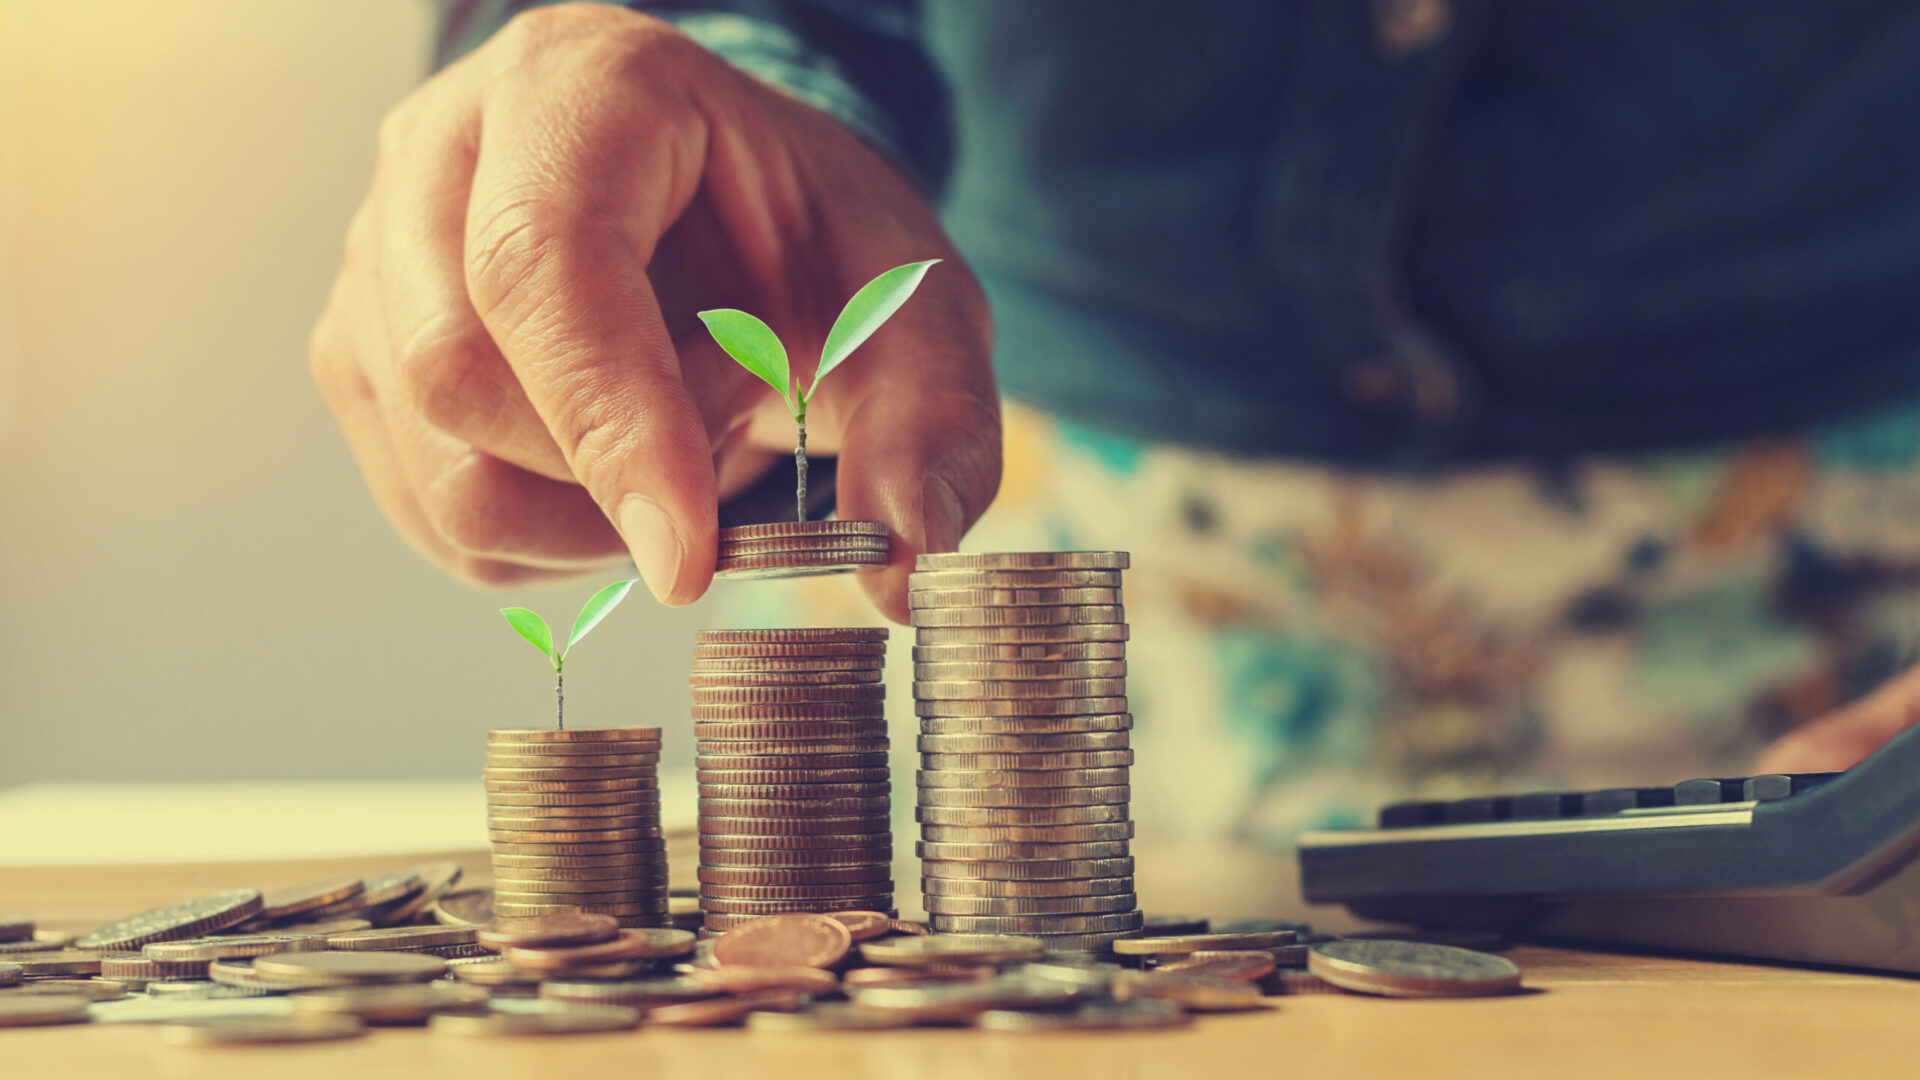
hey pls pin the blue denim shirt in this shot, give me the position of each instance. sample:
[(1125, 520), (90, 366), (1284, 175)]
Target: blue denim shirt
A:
[(1406, 232)]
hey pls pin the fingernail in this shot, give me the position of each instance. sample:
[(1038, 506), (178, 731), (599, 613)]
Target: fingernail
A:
[(940, 515), (655, 544)]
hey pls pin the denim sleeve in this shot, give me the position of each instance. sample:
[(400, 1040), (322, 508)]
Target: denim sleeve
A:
[(859, 61)]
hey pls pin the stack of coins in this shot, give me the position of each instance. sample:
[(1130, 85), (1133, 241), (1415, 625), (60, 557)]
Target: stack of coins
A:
[(790, 735), (575, 820), (800, 548), (1020, 685)]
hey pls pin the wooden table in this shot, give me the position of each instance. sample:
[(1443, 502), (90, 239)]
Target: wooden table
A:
[(1585, 1014)]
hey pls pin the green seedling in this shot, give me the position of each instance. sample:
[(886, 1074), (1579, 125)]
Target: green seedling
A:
[(534, 628), (757, 348)]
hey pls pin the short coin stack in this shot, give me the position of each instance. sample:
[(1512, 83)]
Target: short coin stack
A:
[(790, 735), (800, 548), (1020, 685), (575, 820)]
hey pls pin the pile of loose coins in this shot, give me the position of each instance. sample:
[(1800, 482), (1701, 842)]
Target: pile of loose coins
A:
[(790, 738), (1020, 684), (581, 973), (574, 816), (800, 548)]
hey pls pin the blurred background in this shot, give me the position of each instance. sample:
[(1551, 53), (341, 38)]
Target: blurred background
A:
[(196, 584)]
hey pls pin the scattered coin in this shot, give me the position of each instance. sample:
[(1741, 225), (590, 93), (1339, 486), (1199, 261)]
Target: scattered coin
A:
[(259, 1029), (1091, 1016), (827, 1016), (401, 937), (1412, 969), (798, 940), (233, 946), (56, 962), (283, 904), (1184, 944), (539, 1018), (343, 968), (1192, 992), (953, 948), (1243, 965), (14, 928), (637, 993), (406, 1003), (938, 1002), (643, 944), (10, 973), (550, 931), (738, 979), (727, 1010), (189, 918)]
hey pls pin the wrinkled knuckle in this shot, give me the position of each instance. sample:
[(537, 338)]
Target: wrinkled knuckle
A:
[(442, 371), (464, 506), (511, 249)]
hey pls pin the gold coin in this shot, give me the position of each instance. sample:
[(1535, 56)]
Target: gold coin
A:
[(1024, 834), (785, 695), (1031, 905), (404, 1003), (556, 787), (573, 735), (933, 580), (859, 651), (963, 852), (190, 918), (1030, 870), (783, 678), (760, 665), (785, 545), (1099, 923), (569, 775), (601, 761)]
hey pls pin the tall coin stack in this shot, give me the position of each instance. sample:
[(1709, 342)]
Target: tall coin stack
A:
[(790, 734), (1020, 684), (575, 822)]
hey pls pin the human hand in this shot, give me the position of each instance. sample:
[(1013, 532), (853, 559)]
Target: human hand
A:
[(511, 347), (1841, 738)]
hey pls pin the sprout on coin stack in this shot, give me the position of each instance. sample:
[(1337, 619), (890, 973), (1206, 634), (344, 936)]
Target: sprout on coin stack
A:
[(1020, 685), (800, 547), (790, 736), (575, 821)]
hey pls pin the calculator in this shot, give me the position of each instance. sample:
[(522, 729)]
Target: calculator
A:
[(1813, 868)]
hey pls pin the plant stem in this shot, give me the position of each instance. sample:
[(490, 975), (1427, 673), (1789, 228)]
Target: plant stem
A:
[(559, 702), (800, 469)]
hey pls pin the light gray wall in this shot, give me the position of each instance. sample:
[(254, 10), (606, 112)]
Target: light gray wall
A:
[(193, 581)]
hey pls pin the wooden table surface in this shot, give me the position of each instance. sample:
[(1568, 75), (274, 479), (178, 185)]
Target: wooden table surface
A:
[(1585, 1014)]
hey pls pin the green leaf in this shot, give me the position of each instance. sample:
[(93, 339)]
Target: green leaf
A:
[(873, 305), (752, 343), (603, 602), (532, 627)]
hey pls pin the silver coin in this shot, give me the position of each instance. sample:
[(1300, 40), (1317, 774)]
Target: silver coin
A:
[(1058, 633), (1038, 652), (951, 852), (1019, 706), (984, 888), (1025, 798), (1022, 815), (1111, 922), (984, 779), (1023, 560), (1036, 615), (1030, 905), (1023, 725), (1033, 870), (1012, 597), (1088, 1016), (935, 580), (1026, 834), (1412, 969)]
